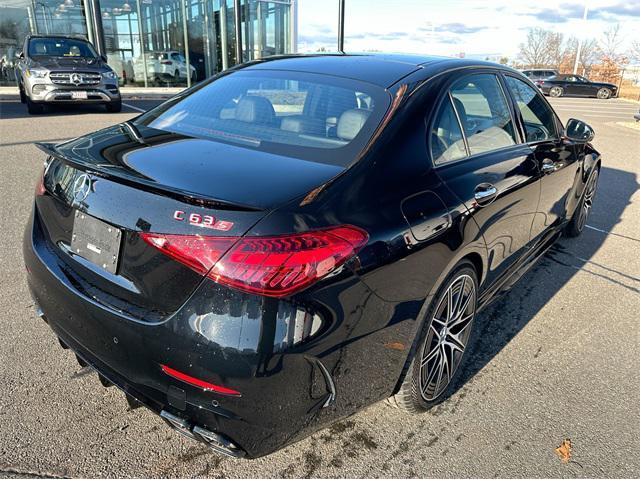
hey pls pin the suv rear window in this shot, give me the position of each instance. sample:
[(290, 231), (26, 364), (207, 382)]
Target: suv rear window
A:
[(288, 113)]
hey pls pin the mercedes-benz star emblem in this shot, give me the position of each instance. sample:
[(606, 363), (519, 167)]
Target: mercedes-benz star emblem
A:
[(81, 187), (75, 78)]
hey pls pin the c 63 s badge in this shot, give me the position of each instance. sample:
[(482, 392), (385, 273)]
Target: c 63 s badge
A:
[(203, 221)]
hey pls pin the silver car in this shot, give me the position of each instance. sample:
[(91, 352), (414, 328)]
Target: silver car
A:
[(64, 70)]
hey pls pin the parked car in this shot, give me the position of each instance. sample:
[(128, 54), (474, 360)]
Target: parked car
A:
[(575, 85), (64, 70), (539, 74), (163, 66), (251, 276), (637, 116)]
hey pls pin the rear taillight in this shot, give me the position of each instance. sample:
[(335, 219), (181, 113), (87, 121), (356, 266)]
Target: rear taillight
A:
[(166, 62), (266, 265)]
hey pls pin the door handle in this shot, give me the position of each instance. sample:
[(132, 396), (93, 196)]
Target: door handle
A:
[(548, 166), (485, 193)]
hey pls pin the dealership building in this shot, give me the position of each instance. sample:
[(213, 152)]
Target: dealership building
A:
[(156, 42)]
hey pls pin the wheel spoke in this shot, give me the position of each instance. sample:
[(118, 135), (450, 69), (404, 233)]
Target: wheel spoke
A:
[(456, 308), (449, 304), (454, 342), (425, 359)]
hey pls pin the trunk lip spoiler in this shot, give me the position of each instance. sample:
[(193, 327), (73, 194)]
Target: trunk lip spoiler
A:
[(140, 182)]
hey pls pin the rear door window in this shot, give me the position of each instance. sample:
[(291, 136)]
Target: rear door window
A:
[(447, 142), (538, 118), (484, 113)]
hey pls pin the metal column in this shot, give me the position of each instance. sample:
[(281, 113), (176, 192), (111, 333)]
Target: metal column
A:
[(341, 26), (98, 33), (238, 27)]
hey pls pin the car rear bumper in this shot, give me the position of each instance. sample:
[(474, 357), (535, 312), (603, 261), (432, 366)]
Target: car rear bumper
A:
[(280, 391)]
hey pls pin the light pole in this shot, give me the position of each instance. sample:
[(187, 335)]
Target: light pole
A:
[(579, 49)]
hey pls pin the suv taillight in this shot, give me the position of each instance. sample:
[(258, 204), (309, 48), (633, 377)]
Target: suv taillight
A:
[(266, 265)]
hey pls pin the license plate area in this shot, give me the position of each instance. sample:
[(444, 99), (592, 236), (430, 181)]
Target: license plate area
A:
[(96, 241), (79, 95)]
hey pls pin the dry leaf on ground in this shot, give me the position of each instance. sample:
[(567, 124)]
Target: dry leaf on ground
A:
[(564, 450)]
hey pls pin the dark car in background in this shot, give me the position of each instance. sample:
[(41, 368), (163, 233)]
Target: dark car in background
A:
[(539, 73), (576, 85), (54, 69), (300, 237)]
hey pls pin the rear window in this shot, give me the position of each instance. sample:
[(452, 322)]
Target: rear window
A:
[(308, 116)]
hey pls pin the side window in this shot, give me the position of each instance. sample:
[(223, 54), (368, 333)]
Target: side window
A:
[(484, 113), (539, 123), (447, 143)]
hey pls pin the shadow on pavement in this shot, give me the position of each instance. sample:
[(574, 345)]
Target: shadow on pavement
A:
[(500, 322)]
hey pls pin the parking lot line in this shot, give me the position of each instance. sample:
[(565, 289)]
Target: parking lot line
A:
[(133, 107)]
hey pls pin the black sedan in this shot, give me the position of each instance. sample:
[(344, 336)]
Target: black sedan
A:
[(300, 237), (575, 85)]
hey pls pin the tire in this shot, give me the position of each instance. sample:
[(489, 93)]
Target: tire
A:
[(604, 94), (114, 107), (34, 108), (581, 215), (556, 91), (23, 97), (426, 363)]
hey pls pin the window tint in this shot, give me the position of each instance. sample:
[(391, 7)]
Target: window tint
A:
[(287, 113), (539, 123), (60, 47), (447, 143), (484, 113)]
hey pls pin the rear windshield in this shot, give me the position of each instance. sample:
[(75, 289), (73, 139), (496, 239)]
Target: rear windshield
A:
[(308, 116), (60, 47)]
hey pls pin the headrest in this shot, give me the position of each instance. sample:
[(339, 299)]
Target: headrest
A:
[(302, 124), (351, 122), (255, 109)]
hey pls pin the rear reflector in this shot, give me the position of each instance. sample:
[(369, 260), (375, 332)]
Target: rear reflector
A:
[(198, 382), (267, 265)]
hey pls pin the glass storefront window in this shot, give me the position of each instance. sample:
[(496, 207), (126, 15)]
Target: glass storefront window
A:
[(18, 18), (152, 42)]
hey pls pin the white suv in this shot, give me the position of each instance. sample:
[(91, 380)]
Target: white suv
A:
[(167, 66)]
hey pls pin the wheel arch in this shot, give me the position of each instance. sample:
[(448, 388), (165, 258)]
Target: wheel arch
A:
[(468, 255)]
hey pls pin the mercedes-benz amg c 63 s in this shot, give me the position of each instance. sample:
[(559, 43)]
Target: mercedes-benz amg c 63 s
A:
[(300, 237)]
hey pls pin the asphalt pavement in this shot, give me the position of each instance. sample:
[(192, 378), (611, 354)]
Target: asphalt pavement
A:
[(559, 357)]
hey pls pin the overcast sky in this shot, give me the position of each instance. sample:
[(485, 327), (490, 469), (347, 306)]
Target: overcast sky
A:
[(449, 27)]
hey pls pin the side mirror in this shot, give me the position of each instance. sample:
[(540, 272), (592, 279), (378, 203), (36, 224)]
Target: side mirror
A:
[(20, 55), (104, 58), (579, 131)]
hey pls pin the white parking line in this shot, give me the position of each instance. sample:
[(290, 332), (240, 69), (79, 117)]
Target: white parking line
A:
[(134, 107)]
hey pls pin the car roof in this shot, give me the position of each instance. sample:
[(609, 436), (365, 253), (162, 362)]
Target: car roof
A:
[(70, 37), (382, 69)]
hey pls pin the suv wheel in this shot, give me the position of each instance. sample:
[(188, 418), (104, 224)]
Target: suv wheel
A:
[(445, 336), (33, 108), (604, 93), (23, 97), (114, 107)]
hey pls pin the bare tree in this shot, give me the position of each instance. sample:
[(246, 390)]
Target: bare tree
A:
[(611, 42), (534, 51), (589, 54), (634, 51), (556, 49)]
